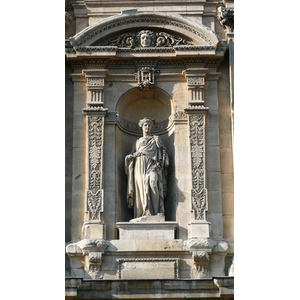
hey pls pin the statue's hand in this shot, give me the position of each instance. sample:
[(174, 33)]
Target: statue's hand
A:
[(136, 154)]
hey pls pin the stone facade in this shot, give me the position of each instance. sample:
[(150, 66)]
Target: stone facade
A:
[(172, 62)]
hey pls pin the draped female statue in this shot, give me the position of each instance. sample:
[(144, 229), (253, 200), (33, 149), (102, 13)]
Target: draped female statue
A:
[(146, 168)]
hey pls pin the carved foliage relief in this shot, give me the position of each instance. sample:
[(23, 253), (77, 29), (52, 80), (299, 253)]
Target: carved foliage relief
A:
[(94, 192), (144, 39), (199, 202)]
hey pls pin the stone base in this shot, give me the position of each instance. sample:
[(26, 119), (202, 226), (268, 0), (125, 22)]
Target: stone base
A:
[(147, 230), (199, 229), (93, 230), (155, 218)]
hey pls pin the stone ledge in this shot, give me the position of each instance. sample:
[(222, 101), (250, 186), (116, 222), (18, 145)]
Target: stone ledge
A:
[(164, 288)]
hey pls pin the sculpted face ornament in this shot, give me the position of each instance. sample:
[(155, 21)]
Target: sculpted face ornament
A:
[(146, 39)]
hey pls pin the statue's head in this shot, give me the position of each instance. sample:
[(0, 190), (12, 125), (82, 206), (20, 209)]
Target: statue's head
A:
[(147, 120)]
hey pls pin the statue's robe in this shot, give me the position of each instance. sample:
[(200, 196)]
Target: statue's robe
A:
[(147, 174)]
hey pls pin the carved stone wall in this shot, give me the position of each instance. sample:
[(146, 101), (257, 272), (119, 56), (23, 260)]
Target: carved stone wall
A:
[(164, 66)]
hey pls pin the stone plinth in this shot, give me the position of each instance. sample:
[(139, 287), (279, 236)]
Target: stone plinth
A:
[(147, 229), (93, 230), (199, 229)]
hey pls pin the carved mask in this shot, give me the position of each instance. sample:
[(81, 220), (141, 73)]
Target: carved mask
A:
[(145, 40)]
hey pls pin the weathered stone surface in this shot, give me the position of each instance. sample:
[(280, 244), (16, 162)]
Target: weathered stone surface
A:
[(147, 230), (149, 62)]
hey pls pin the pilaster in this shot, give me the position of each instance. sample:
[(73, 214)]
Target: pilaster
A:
[(94, 226), (199, 227)]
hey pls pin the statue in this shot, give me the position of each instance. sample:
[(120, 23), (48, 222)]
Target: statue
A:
[(146, 168)]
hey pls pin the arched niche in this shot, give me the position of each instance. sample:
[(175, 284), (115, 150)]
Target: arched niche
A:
[(131, 107)]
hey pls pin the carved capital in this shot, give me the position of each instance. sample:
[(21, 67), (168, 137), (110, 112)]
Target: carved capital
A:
[(95, 86), (195, 82)]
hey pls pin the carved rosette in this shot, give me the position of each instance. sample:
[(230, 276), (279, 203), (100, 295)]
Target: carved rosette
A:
[(94, 195), (197, 147)]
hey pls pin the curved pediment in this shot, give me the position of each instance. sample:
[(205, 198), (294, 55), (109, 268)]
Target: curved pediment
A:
[(126, 31)]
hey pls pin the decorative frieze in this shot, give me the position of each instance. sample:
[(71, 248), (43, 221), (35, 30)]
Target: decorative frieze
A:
[(144, 39), (158, 128), (195, 80), (95, 82)]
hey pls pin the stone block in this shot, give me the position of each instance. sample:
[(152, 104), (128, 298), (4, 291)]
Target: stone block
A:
[(214, 202), (228, 203), (224, 120), (217, 265), (148, 268), (199, 229), (147, 230), (228, 224), (216, 225), (212, 120), (227, 181), (79, 137), (213, 158), (159, 245), (212, 137), (213, 181), (93, 230), (226, 158), (225, 138)]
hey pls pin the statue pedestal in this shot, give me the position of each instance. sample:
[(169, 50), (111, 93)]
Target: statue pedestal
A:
[(199, 229), (147, 228)]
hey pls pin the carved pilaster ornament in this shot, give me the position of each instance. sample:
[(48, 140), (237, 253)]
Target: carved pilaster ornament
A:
[(226, 18), (95, 114), (197, 148), (94, 194)]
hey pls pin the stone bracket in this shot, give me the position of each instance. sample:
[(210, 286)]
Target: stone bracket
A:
[(201, 261), (92, 251)]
